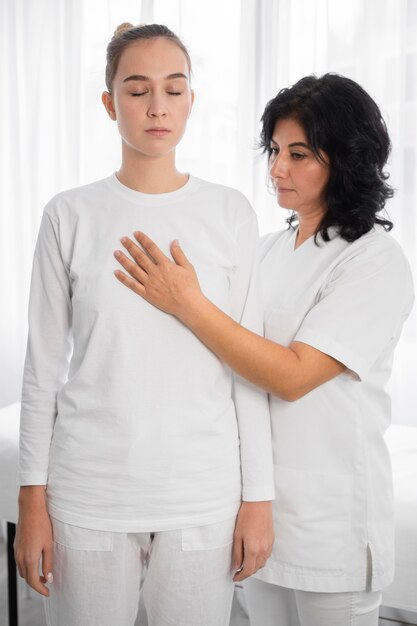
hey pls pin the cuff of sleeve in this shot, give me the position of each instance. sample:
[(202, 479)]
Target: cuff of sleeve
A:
[(258, 494), (25, 479), (356, 365)]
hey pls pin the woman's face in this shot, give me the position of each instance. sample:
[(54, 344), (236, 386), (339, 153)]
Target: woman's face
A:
[(151, 98), (299, 178)]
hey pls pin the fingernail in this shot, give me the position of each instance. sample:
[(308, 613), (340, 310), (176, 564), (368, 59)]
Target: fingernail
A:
[(117, 253), (49, 577), (176, 242), (123, 239)]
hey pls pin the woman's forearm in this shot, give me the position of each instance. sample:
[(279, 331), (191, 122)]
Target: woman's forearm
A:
[(32, 497), (286, 372)]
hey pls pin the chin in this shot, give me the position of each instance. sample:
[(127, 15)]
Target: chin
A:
[(285, 205)]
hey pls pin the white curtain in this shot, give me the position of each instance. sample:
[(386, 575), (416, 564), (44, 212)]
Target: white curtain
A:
[(56, 134), (50, 92)]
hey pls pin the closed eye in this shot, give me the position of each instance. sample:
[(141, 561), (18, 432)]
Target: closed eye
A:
[(143, 93)]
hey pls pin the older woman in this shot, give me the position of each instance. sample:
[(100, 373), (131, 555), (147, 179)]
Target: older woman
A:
[(337, 289)]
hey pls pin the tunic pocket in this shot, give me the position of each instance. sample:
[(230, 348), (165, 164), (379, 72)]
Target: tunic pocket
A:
[(208, 537), (77, 538), (312, 515)]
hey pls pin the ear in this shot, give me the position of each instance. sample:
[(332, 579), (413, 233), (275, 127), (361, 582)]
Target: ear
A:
[(107, 100), (192, 101)]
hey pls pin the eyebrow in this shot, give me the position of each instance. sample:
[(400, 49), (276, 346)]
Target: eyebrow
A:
[(295, 143), (148, 79)]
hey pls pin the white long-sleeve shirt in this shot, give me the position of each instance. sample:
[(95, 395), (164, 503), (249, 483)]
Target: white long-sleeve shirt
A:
[(132, 423)]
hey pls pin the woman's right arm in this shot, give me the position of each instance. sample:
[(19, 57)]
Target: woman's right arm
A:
[(45, 372), (288, 372), (360, 313), (34, 538)]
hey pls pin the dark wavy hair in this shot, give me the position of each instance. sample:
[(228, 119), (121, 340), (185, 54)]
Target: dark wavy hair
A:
[(342, 120)]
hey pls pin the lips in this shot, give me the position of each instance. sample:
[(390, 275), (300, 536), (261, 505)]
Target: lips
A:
[(284, 190), (158, 132)]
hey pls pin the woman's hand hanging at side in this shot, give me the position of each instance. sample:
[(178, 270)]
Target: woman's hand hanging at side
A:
[(170, 285), (33, 541)]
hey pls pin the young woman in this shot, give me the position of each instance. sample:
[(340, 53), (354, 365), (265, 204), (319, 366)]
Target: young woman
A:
[(128, 420), (337, 289)]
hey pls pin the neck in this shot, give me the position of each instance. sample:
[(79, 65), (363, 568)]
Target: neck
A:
[(307, 225), (150, 174)]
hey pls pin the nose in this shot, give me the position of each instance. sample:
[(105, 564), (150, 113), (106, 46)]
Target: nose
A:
[(157, 106), (278, 166)]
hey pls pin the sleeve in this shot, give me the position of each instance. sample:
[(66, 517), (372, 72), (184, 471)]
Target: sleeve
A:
[(360, 311), (47, 355), (251, 402)]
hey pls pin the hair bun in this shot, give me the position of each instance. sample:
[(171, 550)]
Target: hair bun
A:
[(122, 28)]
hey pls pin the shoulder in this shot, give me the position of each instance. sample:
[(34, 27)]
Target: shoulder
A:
[(68, 200), (231, 200), (207, 186), (378, 248), (272, 240), (377, 260)]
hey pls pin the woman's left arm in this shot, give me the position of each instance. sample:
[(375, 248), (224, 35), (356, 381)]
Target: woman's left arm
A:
[(288, 372)]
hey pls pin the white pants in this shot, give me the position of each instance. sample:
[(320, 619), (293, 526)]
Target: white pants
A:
[(97, 576), (271, 605)]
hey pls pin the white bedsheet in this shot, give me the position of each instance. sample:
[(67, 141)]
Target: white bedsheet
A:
[(401, 440), (9, 438)]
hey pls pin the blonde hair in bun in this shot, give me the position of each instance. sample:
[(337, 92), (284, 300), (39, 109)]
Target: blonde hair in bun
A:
[(126, 34), (122, 28)]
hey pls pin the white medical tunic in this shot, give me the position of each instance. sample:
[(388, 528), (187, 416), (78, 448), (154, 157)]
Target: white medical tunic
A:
[(333, 484)]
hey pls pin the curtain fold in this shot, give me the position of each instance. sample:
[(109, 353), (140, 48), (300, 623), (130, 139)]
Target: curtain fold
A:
[(45, 111)]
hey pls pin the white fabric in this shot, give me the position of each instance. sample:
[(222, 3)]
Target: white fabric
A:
[(145, 435), (97, 576), (271, 605), (402, 443), (332, 467), (9, 436)]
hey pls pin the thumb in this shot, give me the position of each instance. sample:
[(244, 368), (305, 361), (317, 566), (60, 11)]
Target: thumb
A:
[(237, 558), (178, 255), (47, 563)]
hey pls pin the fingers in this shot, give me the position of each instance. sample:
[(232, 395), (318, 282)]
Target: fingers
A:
[(178, 255), (142, 259), (248, 567), (20, 569), (34, 580), (134, 269), (237, 553), (253, 559), (130, 282), (150, 246), (47, 562), (29, 571)]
